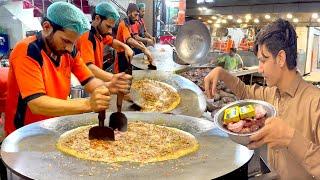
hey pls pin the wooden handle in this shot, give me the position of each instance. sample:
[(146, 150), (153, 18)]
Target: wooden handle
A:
[(102, 117)]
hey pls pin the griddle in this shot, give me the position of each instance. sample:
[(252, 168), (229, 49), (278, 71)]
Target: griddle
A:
[(30, 152)]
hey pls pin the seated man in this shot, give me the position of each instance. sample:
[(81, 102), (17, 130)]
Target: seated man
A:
[(231, 61)]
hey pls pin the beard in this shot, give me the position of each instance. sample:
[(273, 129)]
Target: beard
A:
[(53, 48), (100, 31)]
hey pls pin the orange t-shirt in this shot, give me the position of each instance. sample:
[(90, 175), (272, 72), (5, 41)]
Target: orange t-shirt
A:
[(90, 47), (230, 45), (33, 74), (123, 34)]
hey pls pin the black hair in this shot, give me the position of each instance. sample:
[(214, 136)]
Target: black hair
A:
[(233, 50), (276, 36), (101, 17), (55, 26)]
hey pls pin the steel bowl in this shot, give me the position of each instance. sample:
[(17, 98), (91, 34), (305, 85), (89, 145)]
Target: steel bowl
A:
[(237, 137)]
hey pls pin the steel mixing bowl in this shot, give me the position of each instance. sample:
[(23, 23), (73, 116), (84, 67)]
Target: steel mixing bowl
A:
[(238, 137)]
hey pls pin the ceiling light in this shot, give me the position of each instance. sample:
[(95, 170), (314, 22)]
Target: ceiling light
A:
[(244, 25), (218, 21), (256, 20), (247, 20), (217, 25), (230, 17), (213, 17), (318, 20), (289, 15), (224, 21), (239, 21), (314, 15), (267, 16), (295, 20), (209, 21), (248, 16), (200, 18)]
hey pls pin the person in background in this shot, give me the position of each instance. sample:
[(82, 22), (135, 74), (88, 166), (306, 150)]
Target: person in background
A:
[(230, 44), (231, 61), (124, 34), (41, 67), (91, 46), (293, 137), (139, 30)]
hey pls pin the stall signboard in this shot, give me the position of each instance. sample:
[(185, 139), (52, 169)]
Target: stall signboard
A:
[(4, 44)]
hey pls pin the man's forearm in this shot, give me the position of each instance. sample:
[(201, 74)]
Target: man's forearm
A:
[(99, 73), (143, 40), (116, 44), (49, 106), (133, 43)]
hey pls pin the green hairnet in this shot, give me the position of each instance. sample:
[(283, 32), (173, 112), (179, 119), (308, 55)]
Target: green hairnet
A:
[(141, 5), (68, 16), (107, 10)]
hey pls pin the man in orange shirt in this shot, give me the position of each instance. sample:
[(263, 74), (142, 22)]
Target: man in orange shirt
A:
[(40, 70), (230, 44), (91, 46), (124, 34), (139, 30)]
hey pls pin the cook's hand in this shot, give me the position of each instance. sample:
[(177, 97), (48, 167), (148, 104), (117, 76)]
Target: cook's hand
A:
[(154, 40), (128, 53), (149, 55), (150, 42), (99, 99), (275, 133), (120, 83), (211, 81)]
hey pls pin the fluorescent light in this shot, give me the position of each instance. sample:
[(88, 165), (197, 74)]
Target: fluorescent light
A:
[(213, 17), (295, 20), (239, 21), (209, 21), (256, 20), (248, 16), (217, 25), (224, 21), (230, 17), (314, 15), (289, 16), (267, 16)]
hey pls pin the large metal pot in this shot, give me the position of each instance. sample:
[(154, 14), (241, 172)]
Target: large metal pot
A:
[(193, 42), (30, 152), (78, 92)]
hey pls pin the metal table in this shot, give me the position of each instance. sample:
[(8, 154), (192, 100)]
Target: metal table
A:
[(163, 59), (250, 70), (30, 152)]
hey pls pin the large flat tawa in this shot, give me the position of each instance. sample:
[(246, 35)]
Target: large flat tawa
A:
[(30, 152), (162, 54), (192, 102)]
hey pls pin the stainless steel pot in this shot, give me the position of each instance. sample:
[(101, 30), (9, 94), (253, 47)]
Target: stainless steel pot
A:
[(78, 92)]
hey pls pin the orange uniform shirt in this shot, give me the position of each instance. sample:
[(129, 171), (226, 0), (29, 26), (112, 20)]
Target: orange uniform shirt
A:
[(230, 44), (33, 74), (123, 34), (90, 47)]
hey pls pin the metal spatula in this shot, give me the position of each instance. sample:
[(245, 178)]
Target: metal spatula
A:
[(118, 120), (101, 132)]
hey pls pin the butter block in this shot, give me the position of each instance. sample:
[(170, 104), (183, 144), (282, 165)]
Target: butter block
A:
[(247, 112), (231, 115)]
